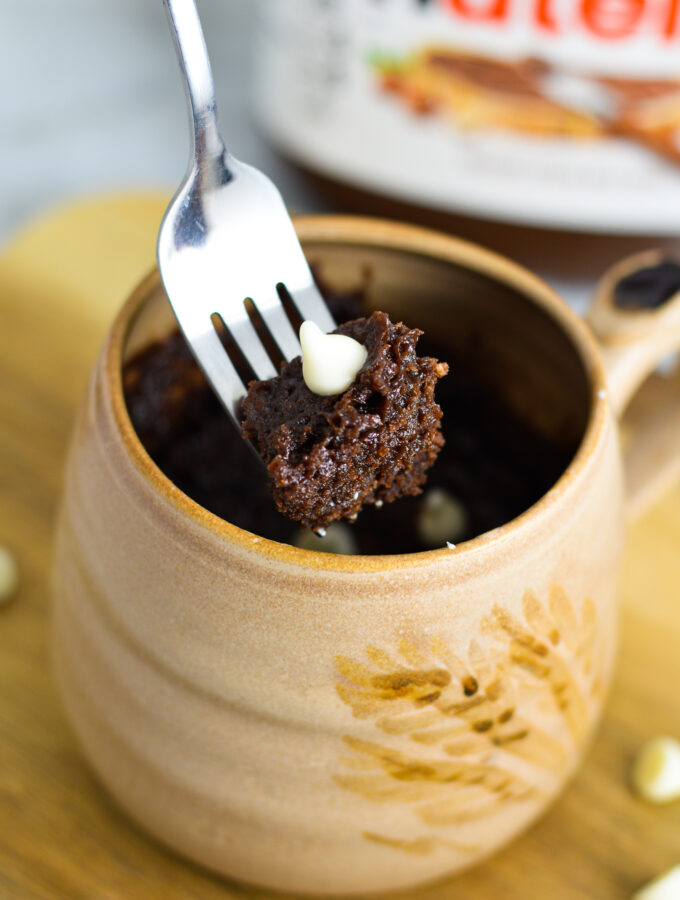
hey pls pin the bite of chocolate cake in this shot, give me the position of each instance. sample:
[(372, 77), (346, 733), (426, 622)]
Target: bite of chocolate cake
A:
[(328, 455)]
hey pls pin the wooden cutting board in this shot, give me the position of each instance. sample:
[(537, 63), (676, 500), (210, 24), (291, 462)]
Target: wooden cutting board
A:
[(60, 836)]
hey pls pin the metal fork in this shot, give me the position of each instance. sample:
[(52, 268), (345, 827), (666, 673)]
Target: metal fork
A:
[(227, 237)]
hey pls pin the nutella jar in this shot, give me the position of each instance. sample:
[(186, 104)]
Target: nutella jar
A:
[(560, 118)]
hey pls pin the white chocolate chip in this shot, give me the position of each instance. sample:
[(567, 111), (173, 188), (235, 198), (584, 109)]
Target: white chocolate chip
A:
[(9, 575), (441, 518), (665, 887), (338, 538), (450, 546), (656, 771), (669, 364), (330, 362)]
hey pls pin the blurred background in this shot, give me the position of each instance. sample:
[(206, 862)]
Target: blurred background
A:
[(92, 101)]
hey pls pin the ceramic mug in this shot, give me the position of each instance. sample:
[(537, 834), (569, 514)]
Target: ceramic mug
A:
[(321, 723)]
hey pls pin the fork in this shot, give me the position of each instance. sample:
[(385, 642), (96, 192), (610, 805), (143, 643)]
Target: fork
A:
[(226, 238)]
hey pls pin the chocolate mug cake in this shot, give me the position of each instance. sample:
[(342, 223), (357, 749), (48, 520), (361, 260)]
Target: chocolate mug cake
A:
[(302, 720), (494, 465)]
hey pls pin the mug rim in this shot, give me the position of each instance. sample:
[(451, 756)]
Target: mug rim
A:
[(374, 232)]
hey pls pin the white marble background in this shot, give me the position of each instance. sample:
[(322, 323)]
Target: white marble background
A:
[(91, 99)]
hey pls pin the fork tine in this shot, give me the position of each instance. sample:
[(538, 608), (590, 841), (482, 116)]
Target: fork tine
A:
[(274, 316), (311, 305), (213, 233), (243, 332), (219, 370)]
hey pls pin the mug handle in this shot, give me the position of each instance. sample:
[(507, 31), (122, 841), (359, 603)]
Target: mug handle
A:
[(633, 343)]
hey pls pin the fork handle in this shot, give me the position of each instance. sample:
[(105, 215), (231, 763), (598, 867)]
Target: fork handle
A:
[(208, 153)]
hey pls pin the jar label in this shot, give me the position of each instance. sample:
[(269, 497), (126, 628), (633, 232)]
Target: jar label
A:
[(562, 113)]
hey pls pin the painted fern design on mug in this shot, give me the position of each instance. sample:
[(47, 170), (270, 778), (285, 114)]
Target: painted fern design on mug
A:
[(556, 647), (462, 735)]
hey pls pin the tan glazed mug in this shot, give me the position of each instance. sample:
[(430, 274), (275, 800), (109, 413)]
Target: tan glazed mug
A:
[(321, 723)]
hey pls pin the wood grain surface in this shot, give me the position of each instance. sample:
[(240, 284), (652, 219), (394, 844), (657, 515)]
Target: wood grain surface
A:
[(60, 836)]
